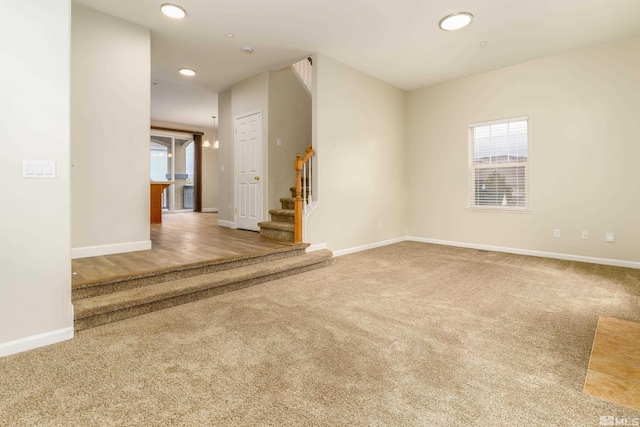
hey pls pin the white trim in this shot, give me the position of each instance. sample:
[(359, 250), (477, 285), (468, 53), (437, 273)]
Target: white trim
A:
[(35, 341), (369, 246), (118, 248), (499, 121), (567, 257), (228, 224), (209, 209), (316, 247), (172, 134), (264, 152), (299, 77), (497, 209), (311, 206)]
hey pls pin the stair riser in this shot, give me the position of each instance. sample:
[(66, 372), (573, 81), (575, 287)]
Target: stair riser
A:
[(277, 234), (293, 193), (176, 275), (282, 218), (101, 319), (287, 205)]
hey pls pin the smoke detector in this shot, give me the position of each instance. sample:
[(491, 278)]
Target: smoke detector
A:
[(247, 49)]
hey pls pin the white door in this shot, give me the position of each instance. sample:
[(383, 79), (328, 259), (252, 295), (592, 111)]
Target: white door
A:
[(248, 166)]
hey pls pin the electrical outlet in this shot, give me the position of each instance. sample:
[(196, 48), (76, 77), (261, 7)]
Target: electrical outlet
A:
[(379, 224), (556, 232), (279, 142), (610, 236), (585, 235)]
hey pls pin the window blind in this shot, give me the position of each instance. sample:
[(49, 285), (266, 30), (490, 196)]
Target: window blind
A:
[(499, 164)]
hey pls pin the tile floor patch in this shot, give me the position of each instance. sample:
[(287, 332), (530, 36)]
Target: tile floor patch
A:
[(614, 366)]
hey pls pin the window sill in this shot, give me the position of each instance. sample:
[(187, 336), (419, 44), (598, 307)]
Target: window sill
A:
[(517, 211)]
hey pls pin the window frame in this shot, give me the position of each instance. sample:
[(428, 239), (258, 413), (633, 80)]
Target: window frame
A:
[(472, 167)]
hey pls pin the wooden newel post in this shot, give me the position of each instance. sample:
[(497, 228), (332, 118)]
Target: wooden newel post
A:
[(297, 206)]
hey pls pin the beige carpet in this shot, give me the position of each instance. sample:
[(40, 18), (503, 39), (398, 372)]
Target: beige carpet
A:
[(409, 334)]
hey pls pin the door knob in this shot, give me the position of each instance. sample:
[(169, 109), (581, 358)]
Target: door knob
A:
[(257, 178)]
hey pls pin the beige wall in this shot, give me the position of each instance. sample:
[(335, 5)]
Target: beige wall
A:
[(110, 98), (35, 277), (360, 140), (225, 158), (248, 96), (209, 163), (583, 136), (289, 121)]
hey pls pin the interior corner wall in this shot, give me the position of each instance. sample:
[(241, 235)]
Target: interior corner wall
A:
[(209, 163), (35, 279), (250, 95), (225, 158), (289, 123), (110, 116), (583, 153), (359, 138)]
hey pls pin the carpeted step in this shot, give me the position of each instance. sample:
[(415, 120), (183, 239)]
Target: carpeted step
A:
[(121, 283), (282, 215), (277, 230), (99, 310), (293, 191), (288, 202)]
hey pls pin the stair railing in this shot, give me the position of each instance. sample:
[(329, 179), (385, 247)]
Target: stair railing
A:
[(303, 190), (304, 71)]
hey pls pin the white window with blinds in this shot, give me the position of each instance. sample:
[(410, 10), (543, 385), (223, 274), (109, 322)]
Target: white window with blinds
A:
[(499, 165)]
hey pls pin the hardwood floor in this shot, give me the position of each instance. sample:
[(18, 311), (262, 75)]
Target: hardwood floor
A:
[(180, 239), (614, 368)]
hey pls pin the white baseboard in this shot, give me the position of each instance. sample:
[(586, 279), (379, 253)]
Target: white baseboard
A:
[(567, 257), (35, 341), (316, 247), (227, 224), (118, 248), (209, 209), (369, 246)]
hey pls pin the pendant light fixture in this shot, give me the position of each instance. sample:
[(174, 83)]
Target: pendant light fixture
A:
[(212, 144)]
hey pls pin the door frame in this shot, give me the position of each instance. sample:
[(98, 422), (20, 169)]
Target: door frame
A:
[(197, 140), (236, 154)]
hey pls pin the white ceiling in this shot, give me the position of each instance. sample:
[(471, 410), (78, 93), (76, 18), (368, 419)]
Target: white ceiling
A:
[(179, 103), (397, 41)]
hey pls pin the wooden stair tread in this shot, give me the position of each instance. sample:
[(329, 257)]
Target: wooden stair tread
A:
[(102, 304)]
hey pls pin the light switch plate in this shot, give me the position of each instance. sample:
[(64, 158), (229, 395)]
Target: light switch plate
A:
[(39, 169)]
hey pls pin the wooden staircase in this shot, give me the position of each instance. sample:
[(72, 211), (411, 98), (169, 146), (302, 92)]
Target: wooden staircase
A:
[(109, 300)]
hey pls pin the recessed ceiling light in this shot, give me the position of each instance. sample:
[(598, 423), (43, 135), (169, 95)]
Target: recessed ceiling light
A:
[(247, 49), (455, 21), (173, 11), (484, 43), (187, 72), (231, 35)]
